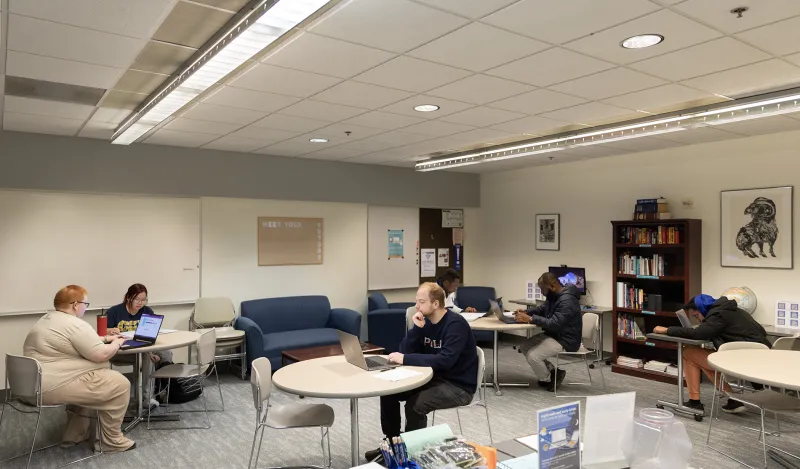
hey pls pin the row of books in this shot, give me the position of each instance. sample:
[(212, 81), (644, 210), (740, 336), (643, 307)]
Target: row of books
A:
[(651, 365), (641, 265), (630, 362), (651, 209), (630, 327), (658, 235), (629, 296)]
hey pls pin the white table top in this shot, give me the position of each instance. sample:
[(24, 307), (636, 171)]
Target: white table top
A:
[(776, 331), (166, 342), (491, 323), (679, 340), (333, 377), (779, 368)]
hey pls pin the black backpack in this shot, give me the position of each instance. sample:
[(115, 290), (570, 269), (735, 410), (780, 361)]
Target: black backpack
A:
[(180, 389)]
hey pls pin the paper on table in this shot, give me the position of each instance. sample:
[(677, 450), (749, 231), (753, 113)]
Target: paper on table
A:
[(167, 331), (608, 428), (531, 441), (472, 316), (397, 374), (127, 335), (525, 462)]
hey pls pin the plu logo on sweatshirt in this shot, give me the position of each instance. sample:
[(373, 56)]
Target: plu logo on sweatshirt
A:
[(432, 343)]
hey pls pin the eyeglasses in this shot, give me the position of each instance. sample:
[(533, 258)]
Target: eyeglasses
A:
[(138, 301), (82, 302)]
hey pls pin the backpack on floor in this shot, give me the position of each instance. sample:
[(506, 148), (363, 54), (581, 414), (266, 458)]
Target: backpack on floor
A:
[(180, 389)]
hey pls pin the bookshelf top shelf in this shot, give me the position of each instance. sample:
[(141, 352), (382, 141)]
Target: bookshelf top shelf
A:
[(669, 221), (651, 245), (663, 278), (664, 314)]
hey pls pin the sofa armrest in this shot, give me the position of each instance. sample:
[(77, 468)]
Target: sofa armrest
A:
[(254, 338), (404, 305), (346, 320)]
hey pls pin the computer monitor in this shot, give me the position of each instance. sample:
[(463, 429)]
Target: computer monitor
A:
[(573, 275)]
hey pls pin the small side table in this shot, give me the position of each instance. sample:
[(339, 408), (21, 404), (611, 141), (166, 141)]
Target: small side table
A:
[(679, 406)]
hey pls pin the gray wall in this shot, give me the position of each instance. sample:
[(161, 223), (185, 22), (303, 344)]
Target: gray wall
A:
[(46, 162)]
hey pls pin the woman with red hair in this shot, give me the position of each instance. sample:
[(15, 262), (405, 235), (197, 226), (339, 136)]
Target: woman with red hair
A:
[(75, 370)]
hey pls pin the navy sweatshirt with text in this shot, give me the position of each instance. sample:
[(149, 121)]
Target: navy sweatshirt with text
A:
[(448, 347)]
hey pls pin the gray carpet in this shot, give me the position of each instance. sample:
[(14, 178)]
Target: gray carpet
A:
[(227, 443)]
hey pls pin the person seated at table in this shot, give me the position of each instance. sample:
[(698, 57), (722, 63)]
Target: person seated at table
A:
[(721, 321), (449, 281), (560, 320), (125, 317), (443, 341), (76, 372)]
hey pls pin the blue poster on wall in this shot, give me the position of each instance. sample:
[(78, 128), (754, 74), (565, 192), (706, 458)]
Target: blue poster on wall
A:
[(395, 244), (457, 261), (559, 436)]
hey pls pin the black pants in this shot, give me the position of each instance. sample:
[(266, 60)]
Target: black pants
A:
[(436, 394)]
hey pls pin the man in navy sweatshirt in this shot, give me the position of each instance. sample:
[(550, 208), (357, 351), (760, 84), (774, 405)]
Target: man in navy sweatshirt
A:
[(444, 341)]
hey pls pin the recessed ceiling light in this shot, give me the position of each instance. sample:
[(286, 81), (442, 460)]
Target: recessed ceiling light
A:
[(426, 108), (319, 140), (641, 41)]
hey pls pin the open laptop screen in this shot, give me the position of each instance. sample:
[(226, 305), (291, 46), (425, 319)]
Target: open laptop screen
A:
[(148, 326)]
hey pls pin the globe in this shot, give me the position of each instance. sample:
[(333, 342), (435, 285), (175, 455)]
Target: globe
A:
[(744, 297)]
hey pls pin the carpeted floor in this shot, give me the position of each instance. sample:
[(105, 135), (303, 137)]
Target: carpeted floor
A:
[(227, 444)]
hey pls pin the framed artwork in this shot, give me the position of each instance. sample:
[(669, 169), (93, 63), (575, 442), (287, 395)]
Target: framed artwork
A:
[(548, 232), (756, 228)]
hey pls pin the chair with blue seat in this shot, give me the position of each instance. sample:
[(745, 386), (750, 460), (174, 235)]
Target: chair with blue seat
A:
[(478, 298), (273, 325), (385, 321)]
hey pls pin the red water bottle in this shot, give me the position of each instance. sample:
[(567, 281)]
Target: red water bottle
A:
[(102, 324)]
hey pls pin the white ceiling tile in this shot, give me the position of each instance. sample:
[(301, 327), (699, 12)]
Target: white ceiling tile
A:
[(351, 93), (716, 13), (410, 74), (109, 115), (559, 22), (398, 138), (590, 113), (484, 137), (437, 128), (367, 145), (224, 114), (795, 59), (781, 38), (98, 130), (177, 138), (480, 89), (401, 163), (549, 67), (285, 81), (202, 127), (290, 123), (317, 54), (39, 67), (40, 124), (609, 83), (478, 47), (439, 145), (474, 9), (287, 149), (537, 101), (41, 107), (388, 156), (643, 144), (699, 135), (679, 31), (322, 111), (244, 145), (383, 120), (663, 99), (260, 133), (393, 25), (248, 99), (750, 79), (717, 55), (595, 151), (446, 107), (71, 43), (339, 131), (533, 125), (482, 116), (134, 19), (767, 125)]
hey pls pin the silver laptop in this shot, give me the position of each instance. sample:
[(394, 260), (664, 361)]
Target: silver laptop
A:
[(355, 356), (684, 319), (494, 308), (558, 438)]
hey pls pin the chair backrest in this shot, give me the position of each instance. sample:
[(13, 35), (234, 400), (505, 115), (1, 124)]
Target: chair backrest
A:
[(481, 371), (475, 297), (591, 326), (410, 312), (742, 346), (213, 311), (23, 378), (261, 381), (376, 300), (206, 347), (786, 343)]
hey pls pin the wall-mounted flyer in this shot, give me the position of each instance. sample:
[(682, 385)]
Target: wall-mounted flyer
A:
[(428, 265), (559, 436)]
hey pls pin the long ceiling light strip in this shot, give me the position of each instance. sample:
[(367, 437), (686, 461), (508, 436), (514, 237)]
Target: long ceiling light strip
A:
[(720, 115), (267, 22)]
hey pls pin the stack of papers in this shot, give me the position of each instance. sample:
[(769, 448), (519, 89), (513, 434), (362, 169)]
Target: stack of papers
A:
[(655, 365), (396, 374), (472, 316), (629, 362), (672, 370)]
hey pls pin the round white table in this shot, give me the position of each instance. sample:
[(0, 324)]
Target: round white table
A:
[(334, 378), (169, 341), (491, 323), (777, 368)]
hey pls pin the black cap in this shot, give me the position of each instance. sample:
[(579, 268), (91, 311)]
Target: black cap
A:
[(690, 305)]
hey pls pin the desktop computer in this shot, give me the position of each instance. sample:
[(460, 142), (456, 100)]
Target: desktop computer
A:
[(573, 275)]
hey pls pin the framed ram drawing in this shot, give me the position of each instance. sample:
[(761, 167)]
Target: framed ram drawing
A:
[(756, 228)]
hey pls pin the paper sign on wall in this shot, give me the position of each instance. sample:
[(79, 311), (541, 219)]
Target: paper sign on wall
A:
[(532, 291), (428, 263), (396, 244), (452, 218), (559, 436), (443, 257), (458, 236), (787, 314)]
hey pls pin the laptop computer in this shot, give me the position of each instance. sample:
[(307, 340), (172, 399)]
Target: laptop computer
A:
[(684, 319), (494, 308), (146, 332), (558, 438), (355, 356)]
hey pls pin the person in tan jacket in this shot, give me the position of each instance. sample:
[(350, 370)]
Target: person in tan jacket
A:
[(76, 371)]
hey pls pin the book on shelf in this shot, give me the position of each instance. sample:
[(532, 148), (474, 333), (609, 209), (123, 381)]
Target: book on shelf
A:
[(629, 362), (629, 296), (642, 265), (630, 327), (672, 370), (662, 234), (655, 365), (650, 209)]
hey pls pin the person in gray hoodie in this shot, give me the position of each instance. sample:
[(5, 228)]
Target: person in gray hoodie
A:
[(560, 320)]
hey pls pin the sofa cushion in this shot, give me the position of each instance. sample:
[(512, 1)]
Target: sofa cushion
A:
[(376, 300), (276, 343), (291, 313)]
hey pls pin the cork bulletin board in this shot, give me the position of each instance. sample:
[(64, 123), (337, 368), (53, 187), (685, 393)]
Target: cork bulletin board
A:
[(290, 241)]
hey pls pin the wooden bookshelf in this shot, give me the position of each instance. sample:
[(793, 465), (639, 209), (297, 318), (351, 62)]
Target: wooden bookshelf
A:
[(677, 282)]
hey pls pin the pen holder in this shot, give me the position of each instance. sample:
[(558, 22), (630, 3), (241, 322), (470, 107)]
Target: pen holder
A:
[(102, 325)]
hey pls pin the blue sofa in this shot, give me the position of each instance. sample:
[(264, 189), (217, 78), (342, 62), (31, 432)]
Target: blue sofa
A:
[(272, 325), (478, 298), (386, 322)]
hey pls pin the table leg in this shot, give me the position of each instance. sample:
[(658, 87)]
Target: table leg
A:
[(139, 394), (496, 368), (680, 407), (354, 444)]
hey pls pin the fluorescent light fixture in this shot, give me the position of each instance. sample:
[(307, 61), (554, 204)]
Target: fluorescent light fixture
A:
[(264, 24), (641, 41), (318, 140), (426, 108), (774, 104)]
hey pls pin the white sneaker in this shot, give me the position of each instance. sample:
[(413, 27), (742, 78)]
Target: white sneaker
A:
[(154, 403)]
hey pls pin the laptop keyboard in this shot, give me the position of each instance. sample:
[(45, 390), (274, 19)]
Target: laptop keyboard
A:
[(374, 362)]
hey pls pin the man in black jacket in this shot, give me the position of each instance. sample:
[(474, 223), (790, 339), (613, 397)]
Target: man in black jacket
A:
[(560, 319), (721, 321)]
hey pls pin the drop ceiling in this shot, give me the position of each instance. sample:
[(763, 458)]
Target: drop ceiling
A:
[(500, 70)]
